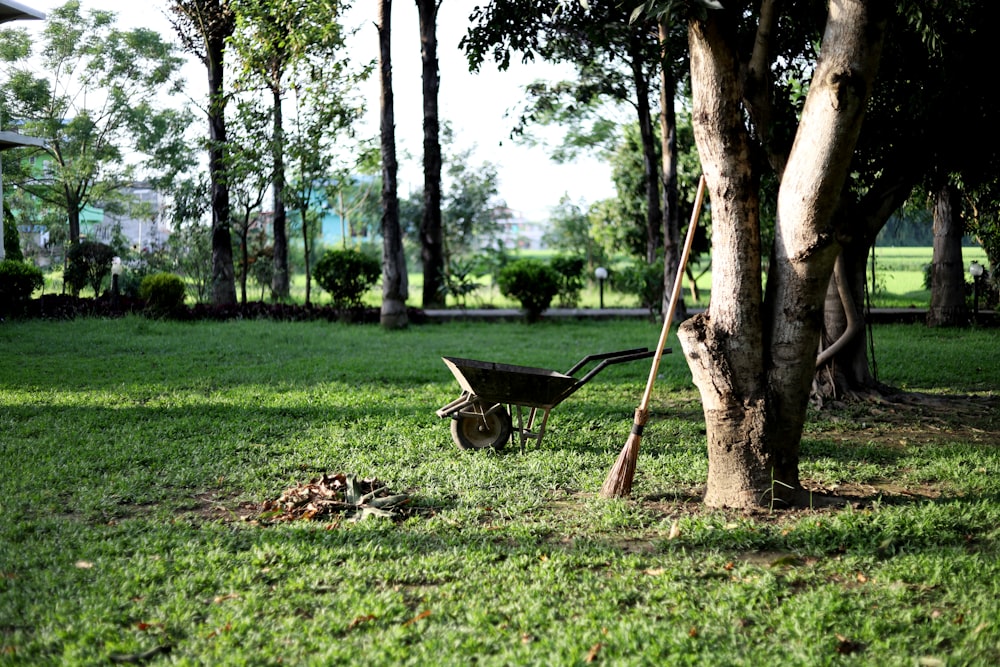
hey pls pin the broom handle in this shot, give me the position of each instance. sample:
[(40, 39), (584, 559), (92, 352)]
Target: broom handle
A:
[(678, 282)]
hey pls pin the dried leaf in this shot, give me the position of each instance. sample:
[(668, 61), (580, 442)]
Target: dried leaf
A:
[(675, 530), (592, 653), (83, 564)]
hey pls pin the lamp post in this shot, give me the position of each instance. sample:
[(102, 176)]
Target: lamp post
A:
[(976, 271), (116, 271), (601, 274)]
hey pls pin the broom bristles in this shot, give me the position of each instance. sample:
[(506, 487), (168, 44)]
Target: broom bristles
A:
[(619, 481)]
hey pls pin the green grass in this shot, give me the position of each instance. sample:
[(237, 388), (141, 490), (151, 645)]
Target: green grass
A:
[(129, 447)]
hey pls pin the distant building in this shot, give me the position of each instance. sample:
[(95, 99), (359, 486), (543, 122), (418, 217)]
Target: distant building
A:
[(143, 222), (14, 11), (516, 231)]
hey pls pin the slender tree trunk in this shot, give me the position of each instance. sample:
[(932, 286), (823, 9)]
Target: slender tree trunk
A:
[(306, 249), (752, 359), (280, 280), (668, 157), (394, 281), (654, 216), (244, 232), (431, 235), (948, 307), (223, 274)]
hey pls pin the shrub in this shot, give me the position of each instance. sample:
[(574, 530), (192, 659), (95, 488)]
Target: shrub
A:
[(460, 280), (88, 263), (347, 275), (163, 293), (532, 282), (17, 281), (11, 237), (571, 279), (644, 281)]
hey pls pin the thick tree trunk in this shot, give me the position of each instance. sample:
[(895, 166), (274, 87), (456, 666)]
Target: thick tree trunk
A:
[(668, 158), (654, 217), (431, 236), (223, 273), (948, 307), (280, 282), (843, 366), (394, 282), (752, 359)]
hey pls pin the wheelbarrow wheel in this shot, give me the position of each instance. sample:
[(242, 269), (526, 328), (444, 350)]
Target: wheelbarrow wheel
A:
[(492, 429)]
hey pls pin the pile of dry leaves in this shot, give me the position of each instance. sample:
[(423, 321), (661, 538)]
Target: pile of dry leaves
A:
[(336, 496)]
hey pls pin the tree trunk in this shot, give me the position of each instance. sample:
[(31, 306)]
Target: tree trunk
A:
[(654, 217), (306, 249), (394, 281), (668, 158), (753, 358), (843, 367), (947, 269), (223, 274), (280, 282), (431, 236)]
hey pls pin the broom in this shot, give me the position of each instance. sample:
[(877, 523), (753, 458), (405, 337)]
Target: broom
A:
[(619, 481)]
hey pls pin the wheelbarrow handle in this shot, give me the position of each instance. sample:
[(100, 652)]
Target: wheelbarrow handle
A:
[(618, 359), (609, 355)]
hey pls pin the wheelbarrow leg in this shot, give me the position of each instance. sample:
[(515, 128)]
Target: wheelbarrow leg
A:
[(526, 427)]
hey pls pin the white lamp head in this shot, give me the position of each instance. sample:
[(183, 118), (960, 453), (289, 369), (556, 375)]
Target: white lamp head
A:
[(975, 269), (600, 273)]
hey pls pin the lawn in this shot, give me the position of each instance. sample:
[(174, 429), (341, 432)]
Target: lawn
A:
[(139, 460)]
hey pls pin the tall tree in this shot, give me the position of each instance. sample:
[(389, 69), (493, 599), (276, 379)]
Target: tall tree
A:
[(947, 270), (204, 26), (248, 182), (97, 100), (273, 39), (752, 353), (431, 238), (394, 281), (616, 60)]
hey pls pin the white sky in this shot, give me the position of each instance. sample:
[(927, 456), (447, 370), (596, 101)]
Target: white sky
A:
[(474, 104)]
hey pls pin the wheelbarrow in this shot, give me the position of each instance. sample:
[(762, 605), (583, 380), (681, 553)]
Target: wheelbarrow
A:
[(491, 393)]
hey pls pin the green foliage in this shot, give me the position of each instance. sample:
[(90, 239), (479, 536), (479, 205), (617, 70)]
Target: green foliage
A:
[(88, 263), (569, 231), (643, 280), (460, 280), (347, 275), (18, 280), (163, 293), (96, 95), (11, 237), (532, 282), (571, 278)]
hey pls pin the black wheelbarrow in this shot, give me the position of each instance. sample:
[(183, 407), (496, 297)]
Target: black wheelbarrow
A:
[(491, 393)]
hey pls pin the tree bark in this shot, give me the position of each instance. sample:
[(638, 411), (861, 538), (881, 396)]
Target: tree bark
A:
[(654, 216), (668, 159), (948, 307), (394, 282), (751, 357), (431, 236), (280, 282), (223, 273)]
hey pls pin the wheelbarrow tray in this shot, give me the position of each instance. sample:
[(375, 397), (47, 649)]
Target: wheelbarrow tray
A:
[(493, 382)]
